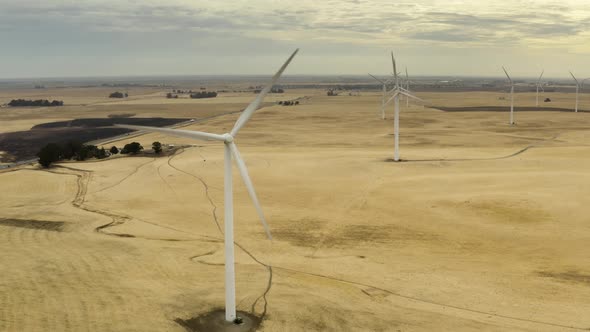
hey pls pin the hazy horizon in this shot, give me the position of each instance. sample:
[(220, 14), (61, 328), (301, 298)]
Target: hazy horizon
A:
[(449, 38)]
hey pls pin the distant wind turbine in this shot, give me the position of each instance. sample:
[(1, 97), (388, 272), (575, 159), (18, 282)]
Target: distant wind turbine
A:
[(407, 87), (511, 97), (383, 103), (539, 86), (230, 149), (398, 91), (577, 90)]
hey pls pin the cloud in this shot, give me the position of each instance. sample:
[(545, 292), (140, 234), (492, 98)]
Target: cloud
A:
[(333, 28)]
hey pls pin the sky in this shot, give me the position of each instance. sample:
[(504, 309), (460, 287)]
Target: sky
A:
[(66, 38)]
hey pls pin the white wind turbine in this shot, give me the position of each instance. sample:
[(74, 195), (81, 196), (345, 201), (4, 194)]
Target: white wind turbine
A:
[(539, 86), (383, 103), (397, 91), (230, 149), (511, 97), (407, 87), (577, 90)]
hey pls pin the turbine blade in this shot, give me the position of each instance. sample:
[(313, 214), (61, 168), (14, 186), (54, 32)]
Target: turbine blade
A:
[(407, 78), (539, 81), (377, 79), (394, 67), (248, 183), (392, 96), (575, 79), (507, 75), (176, 132), (247, 113), (411, 96)]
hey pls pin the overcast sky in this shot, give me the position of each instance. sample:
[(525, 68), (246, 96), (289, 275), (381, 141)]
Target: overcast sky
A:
[(192, 37)]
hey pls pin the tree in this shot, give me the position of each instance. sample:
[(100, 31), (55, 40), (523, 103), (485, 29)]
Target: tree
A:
[(101, 153), (114, 150), (35, 103), (70, 149), (50, 153), (157, 147), (203, 94), (87, 151), (116, 95), (132, 148)]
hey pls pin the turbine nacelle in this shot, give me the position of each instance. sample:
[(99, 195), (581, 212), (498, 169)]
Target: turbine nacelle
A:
[(228, 138)]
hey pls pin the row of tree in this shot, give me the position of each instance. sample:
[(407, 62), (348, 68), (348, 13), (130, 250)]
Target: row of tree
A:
[(53, 152), (38, 102), (289, 102), (204, 94)]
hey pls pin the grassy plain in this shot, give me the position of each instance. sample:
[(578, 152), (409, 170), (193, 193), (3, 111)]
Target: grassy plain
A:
[(483, 226)]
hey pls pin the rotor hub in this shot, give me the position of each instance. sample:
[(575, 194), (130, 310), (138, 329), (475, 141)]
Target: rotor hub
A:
[(228, 138)]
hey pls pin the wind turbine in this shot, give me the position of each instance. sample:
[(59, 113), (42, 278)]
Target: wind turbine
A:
[(230, 149), (407, 87), (383, 103), (511, 97), (397, 91), (539, 86), (577, 90)]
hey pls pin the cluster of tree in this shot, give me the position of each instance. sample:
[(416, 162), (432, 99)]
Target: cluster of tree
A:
[(75, 150), (332, 93), (38, 102), (118, 95), (183, 91), (170, 95), (53, 152), (273, 90), (132, 148), (204, 94), (289, 102), (157, 147)]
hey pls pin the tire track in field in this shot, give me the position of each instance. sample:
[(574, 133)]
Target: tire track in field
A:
[(205, 185), (521, 151), (364, 286), (126, 177), (83, 177)]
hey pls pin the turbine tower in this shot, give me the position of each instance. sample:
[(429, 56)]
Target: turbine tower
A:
[(577, 90), (511, 97), (539, 86), (230, 150), (383, 103), (398, 91)]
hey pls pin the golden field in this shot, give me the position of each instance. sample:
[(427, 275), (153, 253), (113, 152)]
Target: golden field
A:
[(483, 226)]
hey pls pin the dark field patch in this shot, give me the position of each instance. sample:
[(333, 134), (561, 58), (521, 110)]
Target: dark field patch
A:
[(122, 115), (55, 226), (107, 122), (504, 109), (24, 145), (307, 232), (214, 321), (569, 276)]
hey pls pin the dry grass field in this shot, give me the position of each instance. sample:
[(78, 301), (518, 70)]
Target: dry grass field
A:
[(483, 226)]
